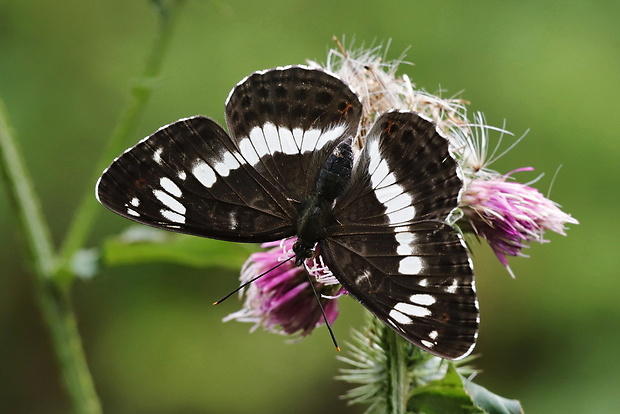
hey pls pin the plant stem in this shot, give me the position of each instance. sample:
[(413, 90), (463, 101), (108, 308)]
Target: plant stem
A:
[(59, 316), (25, 202), (88, 207), (52, 273), (398, 384), (54, 303)]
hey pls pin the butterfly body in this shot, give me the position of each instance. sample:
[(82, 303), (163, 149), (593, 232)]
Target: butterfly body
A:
[(380, 221), (316, 214)]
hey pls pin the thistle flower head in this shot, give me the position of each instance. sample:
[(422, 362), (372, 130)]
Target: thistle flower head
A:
[(471, 145), (380, 89), (510, 215), (282, 301)]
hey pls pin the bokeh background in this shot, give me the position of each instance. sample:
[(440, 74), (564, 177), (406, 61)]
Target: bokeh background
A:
[(155, 344)]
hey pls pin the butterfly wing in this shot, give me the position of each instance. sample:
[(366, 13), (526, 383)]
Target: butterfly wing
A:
[(392, 248), (187, 177), (192, 177), (286, 122)]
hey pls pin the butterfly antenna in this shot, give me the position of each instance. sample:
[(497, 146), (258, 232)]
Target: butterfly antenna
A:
[(217, 302), (318, 299)]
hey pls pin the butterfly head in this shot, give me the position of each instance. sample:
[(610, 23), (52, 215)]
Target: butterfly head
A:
[(303, 250)]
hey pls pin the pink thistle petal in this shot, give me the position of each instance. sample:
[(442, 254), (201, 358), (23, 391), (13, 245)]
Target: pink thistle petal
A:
[(510, 215), (282, 301)]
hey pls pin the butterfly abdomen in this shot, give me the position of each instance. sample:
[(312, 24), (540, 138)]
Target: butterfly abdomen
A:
[(335, 175)]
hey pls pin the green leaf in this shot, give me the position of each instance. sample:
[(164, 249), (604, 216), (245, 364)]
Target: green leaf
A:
[(458, 395), (443, 396), (491, 403), (147, 245)]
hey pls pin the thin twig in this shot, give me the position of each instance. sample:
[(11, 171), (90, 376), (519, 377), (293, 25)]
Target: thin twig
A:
[(52, 272), (54, 303), (88, 209)]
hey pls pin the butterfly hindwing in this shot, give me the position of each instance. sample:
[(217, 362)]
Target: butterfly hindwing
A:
[(392, 248), (416, 278)]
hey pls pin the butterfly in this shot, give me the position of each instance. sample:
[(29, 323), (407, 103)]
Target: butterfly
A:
[(286, 168)]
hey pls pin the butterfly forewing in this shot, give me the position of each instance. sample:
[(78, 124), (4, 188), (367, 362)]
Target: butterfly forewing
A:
[(186, 178), (404, 174), (192, 177), (391, 246), (287, 121)]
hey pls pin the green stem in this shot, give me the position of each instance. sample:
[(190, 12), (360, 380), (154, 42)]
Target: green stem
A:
[(397, 384), (54, 304), (52, 273), (59, 316), (25, 202), (88, 209)]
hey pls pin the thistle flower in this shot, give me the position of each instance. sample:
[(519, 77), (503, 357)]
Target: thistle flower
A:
[(282, 301), (375, 81), (510, 215)]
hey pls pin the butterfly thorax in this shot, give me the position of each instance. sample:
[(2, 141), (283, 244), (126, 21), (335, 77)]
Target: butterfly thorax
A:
[(316, 212)]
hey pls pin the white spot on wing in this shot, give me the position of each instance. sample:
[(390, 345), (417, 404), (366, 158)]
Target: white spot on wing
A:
[(378, 175), (287, 141), (411, 265), (257, 141), (400, 216), (406, 243), (423, 299), (453, 286), (395, 325), (310, 140), (272, 138), (400, 318), (269, 139), (247, 151), (157, 155), (228, 164), (298, 136), (427, 344), (172, 216), (135, 202), (373, 153), (412, 310), (389, 179), (132, 212), (387, 193), (398, 204), (182, 175), (232, 217), (331, 135), (169, 201), (204, 173), (169, 185)]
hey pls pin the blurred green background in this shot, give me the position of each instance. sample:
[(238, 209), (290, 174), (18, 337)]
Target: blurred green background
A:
[(155, 344)]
